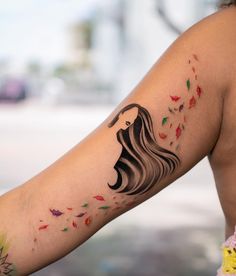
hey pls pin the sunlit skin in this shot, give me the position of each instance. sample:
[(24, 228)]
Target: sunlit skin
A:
[(193, 110), (64, 219)]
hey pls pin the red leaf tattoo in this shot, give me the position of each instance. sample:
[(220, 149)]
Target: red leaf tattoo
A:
[(69, 208), (199, 91), (98, 197), (74, 224), (162, 136), (88, 220), (192, 102), (175, 98), (43, 227), (80, 215), (193, 69), (178, 132)]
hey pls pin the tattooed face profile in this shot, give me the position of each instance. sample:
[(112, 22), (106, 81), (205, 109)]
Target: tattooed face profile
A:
[(142, 162)]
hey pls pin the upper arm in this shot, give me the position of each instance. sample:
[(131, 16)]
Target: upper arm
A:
[(169, 122)]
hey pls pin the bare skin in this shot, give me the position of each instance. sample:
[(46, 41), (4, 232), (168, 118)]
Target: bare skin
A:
[(222, 157), (182, 111)]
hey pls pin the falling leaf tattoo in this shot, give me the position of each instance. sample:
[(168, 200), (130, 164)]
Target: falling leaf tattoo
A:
[(85, 205), (162, 136), (188, 84), (81, 215), (43, 227), (192, 102), (56, 213), (175, 98), (65, 229), (164, 120), (199, 91), (88, 221), (69, 208), (181, 107), (104, 207), (98, 197), (178, 132), (74, 224), (193, 69)]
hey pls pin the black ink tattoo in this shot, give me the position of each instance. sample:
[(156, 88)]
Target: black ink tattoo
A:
[(142, 162)]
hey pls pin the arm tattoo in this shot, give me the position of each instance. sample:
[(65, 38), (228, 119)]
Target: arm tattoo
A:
[(142, 162)]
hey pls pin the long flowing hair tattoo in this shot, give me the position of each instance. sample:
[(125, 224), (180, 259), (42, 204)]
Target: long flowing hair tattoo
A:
[(142, 162)]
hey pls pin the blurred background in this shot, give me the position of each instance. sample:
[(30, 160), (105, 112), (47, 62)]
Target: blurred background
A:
[(64, 66)]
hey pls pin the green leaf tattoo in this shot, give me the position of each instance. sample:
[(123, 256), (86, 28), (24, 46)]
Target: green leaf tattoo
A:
[(65, 229), (164, 120), (104, 207), (188, 84), (85, 205)]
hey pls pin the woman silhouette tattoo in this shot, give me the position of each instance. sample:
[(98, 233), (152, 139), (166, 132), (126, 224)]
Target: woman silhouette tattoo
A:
[(142, 162)]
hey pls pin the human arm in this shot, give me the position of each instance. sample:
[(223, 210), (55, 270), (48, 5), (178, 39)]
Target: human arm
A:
[(84, 172)]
